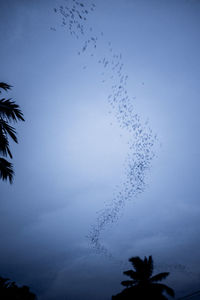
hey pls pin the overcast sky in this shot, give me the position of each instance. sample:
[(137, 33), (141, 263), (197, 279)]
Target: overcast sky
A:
[(96, 183)]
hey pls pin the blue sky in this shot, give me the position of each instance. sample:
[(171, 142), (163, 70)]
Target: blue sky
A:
[(71, 161)]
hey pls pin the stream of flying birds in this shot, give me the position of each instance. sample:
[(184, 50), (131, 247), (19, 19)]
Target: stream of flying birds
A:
[(74, 18)]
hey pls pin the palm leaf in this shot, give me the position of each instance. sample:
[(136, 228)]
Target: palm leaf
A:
[(147, 269), (159, 277), (150, 265), (7, 129), (5, 86), (10, 110), (4, 145), (131, 274), (6, 170), (137, 263)]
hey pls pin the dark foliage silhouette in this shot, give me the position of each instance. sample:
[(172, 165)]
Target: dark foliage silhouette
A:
[(10, 291), (9, 112), (142, 284)]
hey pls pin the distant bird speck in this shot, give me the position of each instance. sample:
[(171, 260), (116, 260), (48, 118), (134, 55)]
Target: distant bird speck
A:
[(142, 140)]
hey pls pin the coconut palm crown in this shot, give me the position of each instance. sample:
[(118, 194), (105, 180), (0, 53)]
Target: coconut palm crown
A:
[(142, 283), (9, 112)]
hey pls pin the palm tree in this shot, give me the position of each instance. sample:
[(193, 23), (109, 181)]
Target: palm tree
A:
[(9, 111), (142, 284), (9, 290)]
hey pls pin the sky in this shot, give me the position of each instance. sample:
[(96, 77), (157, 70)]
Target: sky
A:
[(107, 165)]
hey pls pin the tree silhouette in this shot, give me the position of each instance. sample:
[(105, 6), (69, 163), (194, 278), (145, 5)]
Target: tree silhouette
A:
[(9, 112), (142, 284), (10, 291)]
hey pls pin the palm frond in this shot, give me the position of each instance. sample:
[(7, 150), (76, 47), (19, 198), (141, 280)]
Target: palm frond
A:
[(10, 110), (6, 170), (159, 277), (7, 129), (150, 265), (4, 145), (131, 274), (5, 86), (164, 288), (137, 263)]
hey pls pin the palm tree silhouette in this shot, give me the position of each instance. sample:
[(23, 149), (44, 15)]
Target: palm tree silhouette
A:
[(9, 112), (142, 284), (10, 291)]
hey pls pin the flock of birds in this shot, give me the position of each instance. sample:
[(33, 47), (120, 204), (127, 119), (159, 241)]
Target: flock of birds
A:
[(74, 15)]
